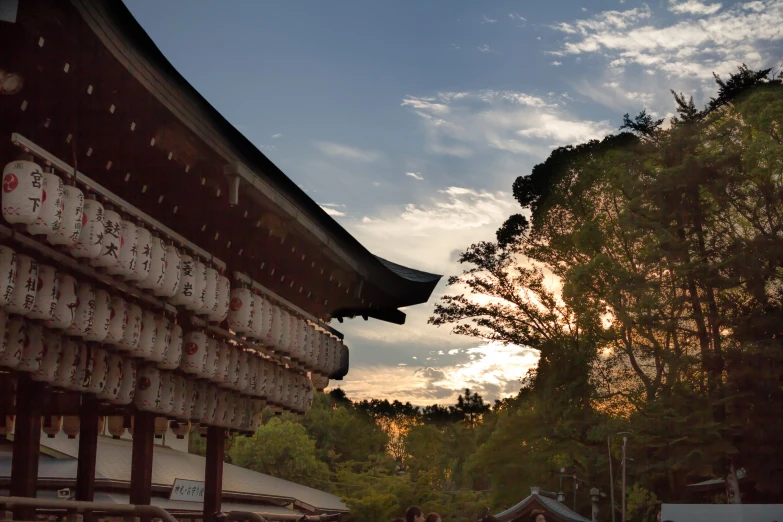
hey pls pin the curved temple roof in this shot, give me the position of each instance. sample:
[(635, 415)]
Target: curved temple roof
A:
[(113, 22)]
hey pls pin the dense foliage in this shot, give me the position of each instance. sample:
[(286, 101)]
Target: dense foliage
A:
[(665, 323)]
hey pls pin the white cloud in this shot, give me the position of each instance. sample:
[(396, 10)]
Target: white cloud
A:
[(693, 48), (557, 64), (487, 20), (366, 219), (332, 211), (426, 235), (336, 150), (278, 135), (484, 48), (492, 370), (693, 7), (463, 124), (517, 17), (414, 175), (584, 9)]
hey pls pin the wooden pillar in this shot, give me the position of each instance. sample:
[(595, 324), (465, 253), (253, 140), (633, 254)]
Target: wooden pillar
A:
[(27, 443), (88, 449), (213, 476), (141, 463)]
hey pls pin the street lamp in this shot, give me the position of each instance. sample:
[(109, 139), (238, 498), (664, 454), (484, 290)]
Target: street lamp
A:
[(611, 473)]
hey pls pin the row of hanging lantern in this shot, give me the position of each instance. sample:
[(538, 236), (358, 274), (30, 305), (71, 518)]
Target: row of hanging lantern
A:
[(81, 338), (259, 319), (39, 199)]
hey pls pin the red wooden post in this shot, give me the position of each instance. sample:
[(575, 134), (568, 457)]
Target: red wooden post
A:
[(27, 443), (141, 463), (213, 475), (88, 449)]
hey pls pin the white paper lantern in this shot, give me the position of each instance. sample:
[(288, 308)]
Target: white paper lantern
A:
[(52, 425), (271, 318), (264, 380), (110, 241), (52, 352), (241, 310), (191, 397), (113, 386), (85, 311), (147, 336), (128, 384), (132, 332), (173, 355), (141, 267), (46, 294), (3, 337), (65, 303), (258, 318), (156, 265), (224, 359), (15, 338), (162, 339), (51, 212), (23, 295), (99, 329), (180, 394), (69, 361), (209, 415), (149, 389), (71, 225), (79, 369), (252, 375), (224, 404), (97, 370), (7, 274), (116, 426), (231, 377), (210, 292), (194, 353), (172, 273), (320, 382), (242, 383), (222, 300), (168, 394), (199, 401), (129, 249), (34, 349), (199, 288), (257, 412), (118, 318), (211, 362), (186, 294), (308, 403), (298, 338), (279, 383), (91, 237), (22, 191), (284, 342)]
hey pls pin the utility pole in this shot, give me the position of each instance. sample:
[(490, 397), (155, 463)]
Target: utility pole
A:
[(625, 440), (611, 475)]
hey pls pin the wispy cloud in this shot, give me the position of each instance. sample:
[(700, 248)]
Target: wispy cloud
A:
[(493, 370), (278, 135), (715, 41), (339, 151), (487, 20), (462, 124), (693, 7), (557, 64), (517, 17), (484, 48), (414, 175)]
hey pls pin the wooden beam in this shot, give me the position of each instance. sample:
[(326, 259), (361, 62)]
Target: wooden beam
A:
[(213, 476), (88, 448), (141, 459), (27, 443)]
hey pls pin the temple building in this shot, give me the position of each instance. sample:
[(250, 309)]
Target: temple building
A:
[(158, 274)]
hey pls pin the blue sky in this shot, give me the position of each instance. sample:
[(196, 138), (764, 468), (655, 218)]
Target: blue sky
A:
[(408, 121)]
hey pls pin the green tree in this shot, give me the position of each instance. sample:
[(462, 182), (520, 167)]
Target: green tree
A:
[(282, 449)]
